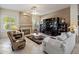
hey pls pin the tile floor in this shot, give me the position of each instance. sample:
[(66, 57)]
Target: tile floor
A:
[(30, 48)]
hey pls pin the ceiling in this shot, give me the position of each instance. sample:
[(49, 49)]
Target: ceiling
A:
[(40, 8)]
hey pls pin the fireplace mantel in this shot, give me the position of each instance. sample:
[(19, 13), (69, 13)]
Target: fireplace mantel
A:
[(26, 27)]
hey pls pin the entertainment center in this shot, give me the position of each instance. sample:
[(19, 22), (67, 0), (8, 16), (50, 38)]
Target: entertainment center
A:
[(53, 26)]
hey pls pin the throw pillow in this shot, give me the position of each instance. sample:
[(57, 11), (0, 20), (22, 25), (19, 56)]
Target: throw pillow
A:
[(68, 34), (62, 37)]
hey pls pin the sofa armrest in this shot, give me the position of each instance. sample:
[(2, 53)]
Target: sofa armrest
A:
[(69, 43), (53, 42)]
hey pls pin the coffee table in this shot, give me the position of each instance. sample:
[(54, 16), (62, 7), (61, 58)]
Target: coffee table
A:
[(36, 38)]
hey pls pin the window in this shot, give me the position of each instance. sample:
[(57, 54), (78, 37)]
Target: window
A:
[(8, 23)]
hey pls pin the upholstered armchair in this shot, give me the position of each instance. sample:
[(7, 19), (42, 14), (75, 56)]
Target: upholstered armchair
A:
[(17, 40)]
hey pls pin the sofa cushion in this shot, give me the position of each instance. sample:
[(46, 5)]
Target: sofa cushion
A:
[(62, 36), (69, 34), (17, 36)]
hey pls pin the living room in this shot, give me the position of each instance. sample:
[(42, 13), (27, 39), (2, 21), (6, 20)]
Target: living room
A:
[(26, 19)]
